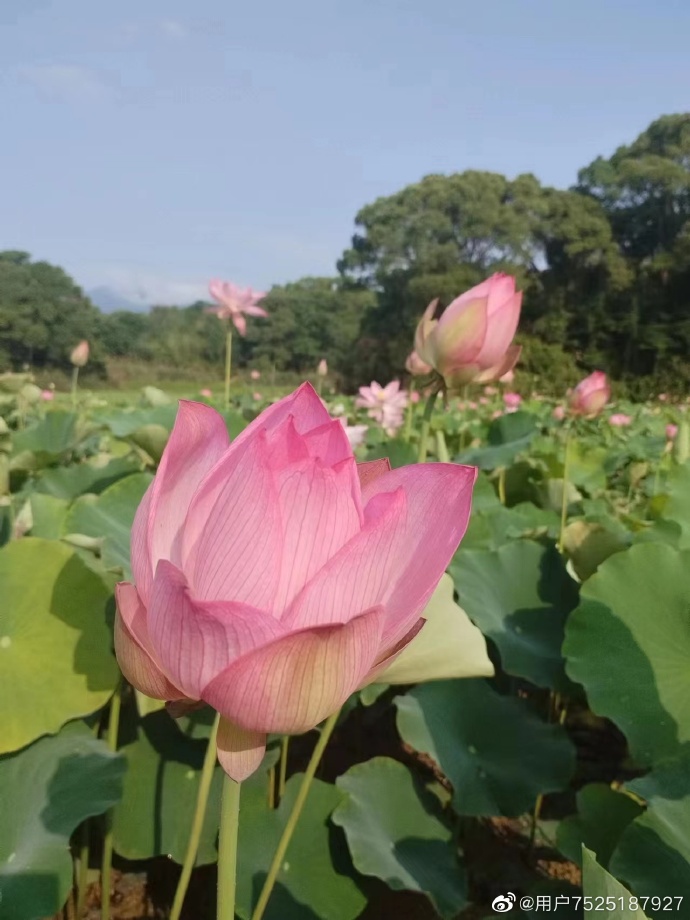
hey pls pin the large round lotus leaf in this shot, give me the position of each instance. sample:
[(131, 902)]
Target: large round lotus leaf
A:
[(160, 790), (47, 516), (56, 660), (495, 752), (315, 880), (653, 855), (122, 424), (588, 544), (677, 506), (602, 816), (110, 516), (46, 791), (394, 833), (519, 596), (628, 644), (153, 396), (70, 481), (598, 884), (151, 439)]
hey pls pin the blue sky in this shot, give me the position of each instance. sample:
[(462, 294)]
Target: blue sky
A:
[(149, 146)]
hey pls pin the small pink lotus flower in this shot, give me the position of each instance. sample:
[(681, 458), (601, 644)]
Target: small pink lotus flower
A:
[(472, 339), (256, 397), (414, 397), (415, 366), (80, 354), (620, 420), (255, 375), (663, 397), (322, 369), (512, 400), (273, 577), (559, 413), (235, 302), (386, 405), (490, 391), (590, 395), (47, 395), (671, 431), (206, 393), (497, 414), (472, 405)]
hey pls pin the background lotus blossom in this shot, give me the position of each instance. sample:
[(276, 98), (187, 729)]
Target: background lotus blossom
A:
[(386, 405), (415, 366), (472, 339), (559, 413), (322, 369), (356, 434), (47, 395), (671, 431), (272, 576), (255, 375), (512, 400), (620, 420), (206, 393), (80, 354), (234, 303), (590, 395)]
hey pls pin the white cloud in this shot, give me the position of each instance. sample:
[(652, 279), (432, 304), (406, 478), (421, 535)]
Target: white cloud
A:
[(66, 82)]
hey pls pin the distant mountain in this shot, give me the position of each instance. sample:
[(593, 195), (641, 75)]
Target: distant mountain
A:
[(110, 300)]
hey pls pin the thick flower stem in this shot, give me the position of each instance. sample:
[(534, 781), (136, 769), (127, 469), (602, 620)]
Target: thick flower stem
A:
[(564, 498), (502, 485), (106, 866), (228, 364), (227, 849), (281, 849), (282, 775), (197, 822), (426, 425), (442, 447), (75, 380)]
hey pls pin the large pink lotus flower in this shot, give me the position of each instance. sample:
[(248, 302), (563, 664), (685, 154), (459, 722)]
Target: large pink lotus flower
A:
[(471, 342), (273, 576), (80, 354), (590, 395), (386, 405), (235, 302)]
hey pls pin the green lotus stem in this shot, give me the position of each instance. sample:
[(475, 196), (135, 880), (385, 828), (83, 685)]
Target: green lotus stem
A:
[(442, 447), (75, 380), (319, 384), (227, 849), (106, 866), (272, 788), (426, 425), (289, 830), (83, 874), (228, 364), (564, 497), (502, 485), (197, 821), (282, 776)]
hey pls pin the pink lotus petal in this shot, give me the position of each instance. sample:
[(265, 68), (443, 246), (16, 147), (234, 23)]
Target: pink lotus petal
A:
[(439, 500), (497, 288), (240, 752), (196, 640), (329, 443), (240, 323), (304, 405), (294, 683), (360, 575), (459, 336), (507, 363), (500, 331), (221, 556), (372, 469), (320, 508), (133, 647)]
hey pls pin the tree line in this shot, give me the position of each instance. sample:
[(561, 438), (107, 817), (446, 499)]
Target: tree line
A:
[(605, 267)]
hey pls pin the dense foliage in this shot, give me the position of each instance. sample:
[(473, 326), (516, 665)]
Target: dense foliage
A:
[(605, 267)]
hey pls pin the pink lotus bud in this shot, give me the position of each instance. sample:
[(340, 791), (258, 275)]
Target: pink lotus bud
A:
[(414, 397), (322, 369), (671, 431), (620, 420), (415, 366), (559, 413), (47, 395), (590, 395), (273, 576), (206, 393), (256, 397), (80, 354), (255, 375), (471, 342), (512, 400), (663, 397)]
